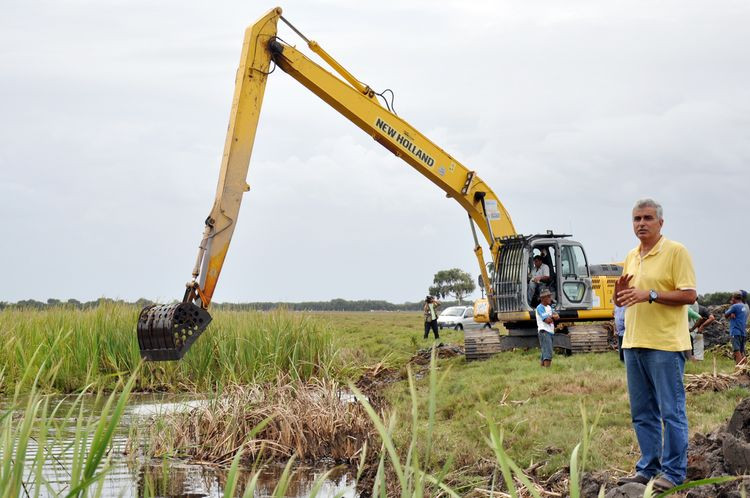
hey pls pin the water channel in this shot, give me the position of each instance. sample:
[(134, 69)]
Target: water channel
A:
[(129, 476)]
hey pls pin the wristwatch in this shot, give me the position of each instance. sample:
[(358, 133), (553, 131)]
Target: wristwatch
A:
[(652, 296)]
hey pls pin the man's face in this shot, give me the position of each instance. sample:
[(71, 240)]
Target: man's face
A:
[(537, 262), (646, 224), (545, 300)]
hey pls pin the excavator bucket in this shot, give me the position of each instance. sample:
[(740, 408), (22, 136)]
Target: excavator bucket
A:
[(166, 332)]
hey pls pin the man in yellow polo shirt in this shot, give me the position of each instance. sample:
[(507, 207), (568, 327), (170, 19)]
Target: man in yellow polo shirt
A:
[(657, 284)]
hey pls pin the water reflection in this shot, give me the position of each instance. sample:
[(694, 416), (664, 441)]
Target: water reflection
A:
[(183, 480), (132, 477)]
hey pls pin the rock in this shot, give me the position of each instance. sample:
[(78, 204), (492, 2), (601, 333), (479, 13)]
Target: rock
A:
[(736, 444), (739, 424), (591, 482), (629, 490), (725, 451), (736, 455)]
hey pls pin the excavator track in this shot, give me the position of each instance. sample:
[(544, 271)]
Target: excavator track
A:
[(481, 344), (166, 332), (591, 337), (587, 338)]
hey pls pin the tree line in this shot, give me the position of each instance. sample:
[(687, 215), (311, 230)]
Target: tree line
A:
[(715, 298), (708, 299), (332, 305)]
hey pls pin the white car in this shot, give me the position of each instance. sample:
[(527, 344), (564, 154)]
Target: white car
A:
[(458, 317)]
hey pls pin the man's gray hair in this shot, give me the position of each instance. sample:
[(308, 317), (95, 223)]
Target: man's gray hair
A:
[(646, 203)]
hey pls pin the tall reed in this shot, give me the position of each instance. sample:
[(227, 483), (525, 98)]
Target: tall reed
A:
[(99, 345), (29, 438)]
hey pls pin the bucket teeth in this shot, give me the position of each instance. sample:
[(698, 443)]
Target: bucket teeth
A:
[(166, 332)]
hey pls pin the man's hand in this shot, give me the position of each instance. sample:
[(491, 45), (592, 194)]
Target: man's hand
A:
[(555, 316), (621, 284), (631, 296), (626, 295)]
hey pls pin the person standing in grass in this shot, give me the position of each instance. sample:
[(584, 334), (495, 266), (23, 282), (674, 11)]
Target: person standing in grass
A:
[(430, 317), (657, 285), (545, 324), (737, 314)]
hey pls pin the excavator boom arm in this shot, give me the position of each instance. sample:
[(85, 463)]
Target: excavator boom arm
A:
[(166, 332), (260, 47)]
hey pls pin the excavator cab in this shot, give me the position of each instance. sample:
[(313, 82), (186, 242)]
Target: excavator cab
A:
[(570, 282)]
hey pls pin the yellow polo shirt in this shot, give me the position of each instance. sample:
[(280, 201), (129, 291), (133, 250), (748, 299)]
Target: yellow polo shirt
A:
[(666, 267)]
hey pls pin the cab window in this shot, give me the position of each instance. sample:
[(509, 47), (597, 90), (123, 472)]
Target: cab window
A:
[(573, 262)]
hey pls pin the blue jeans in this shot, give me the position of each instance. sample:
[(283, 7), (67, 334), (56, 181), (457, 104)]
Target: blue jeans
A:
[(545, 344), (657, 395)]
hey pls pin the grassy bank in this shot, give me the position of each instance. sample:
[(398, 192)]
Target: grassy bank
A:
[(538, 411), (100, 346)]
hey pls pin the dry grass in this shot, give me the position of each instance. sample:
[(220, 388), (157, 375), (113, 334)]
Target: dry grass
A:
[(313, 420), (716, 382)]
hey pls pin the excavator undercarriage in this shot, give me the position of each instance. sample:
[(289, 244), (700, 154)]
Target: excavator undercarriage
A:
[(580, 338)]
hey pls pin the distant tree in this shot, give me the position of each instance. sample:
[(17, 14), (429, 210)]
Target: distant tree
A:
[(453, 282), (714, 298), (74, 303), (142, 303), (53, 302), (31, 303)]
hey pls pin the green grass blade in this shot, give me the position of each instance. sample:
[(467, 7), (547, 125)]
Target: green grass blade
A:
[(231, 482), (700, 482), (575, 484)]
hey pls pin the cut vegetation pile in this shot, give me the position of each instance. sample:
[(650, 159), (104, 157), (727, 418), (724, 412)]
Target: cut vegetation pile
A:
[(314, 421), (717, 382)]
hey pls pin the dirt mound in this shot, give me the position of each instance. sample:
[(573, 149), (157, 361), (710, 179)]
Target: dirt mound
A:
[(717, 332), (422, 357), (725, 451), (374, 379)]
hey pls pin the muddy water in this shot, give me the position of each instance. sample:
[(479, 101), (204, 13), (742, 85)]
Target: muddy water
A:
[(132, 477)]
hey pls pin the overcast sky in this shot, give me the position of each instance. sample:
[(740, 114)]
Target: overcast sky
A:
[(114, 115)]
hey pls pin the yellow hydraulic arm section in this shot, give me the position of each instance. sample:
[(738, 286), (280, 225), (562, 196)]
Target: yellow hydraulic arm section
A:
[(358, 103)]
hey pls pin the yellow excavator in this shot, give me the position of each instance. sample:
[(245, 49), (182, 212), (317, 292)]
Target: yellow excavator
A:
[(582, 292)]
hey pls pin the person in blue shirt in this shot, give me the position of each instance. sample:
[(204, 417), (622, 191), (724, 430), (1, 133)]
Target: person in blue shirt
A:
[(620, 328), (737, 314), (545, 324)]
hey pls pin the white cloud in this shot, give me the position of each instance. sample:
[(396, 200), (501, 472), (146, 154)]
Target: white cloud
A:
[(114, 116)]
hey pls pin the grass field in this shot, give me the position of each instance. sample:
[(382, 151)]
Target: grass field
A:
[(537, 410)]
